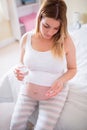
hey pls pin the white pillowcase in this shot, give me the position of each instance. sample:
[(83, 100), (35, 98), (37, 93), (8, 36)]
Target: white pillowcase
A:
[(79, 38)]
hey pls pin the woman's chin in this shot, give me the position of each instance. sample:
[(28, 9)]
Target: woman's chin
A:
[(47, 37)]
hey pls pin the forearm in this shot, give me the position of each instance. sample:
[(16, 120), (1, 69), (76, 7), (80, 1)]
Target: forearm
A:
[(58, 85), (68, 75), (21, 57)]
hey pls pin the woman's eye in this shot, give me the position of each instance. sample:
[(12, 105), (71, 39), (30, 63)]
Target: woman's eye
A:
[(45, 26), (57, 29)]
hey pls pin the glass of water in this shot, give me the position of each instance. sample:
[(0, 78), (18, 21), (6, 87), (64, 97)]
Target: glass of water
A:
[(24, 70)]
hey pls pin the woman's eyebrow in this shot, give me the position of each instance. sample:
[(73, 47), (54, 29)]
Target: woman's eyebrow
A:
[(46, 24), (50, 25)]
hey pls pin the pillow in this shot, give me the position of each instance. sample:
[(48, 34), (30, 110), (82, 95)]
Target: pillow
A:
[(5, 89), (79, 38), (28, 21), (9, 87), (6, 110)]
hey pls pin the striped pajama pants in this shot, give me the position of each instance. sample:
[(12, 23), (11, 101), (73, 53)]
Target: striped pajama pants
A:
[(49, 111)]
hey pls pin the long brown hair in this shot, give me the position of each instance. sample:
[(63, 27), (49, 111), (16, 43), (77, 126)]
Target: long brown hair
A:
[(55, 9)]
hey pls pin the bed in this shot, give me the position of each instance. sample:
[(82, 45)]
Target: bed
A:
[(74, 114)]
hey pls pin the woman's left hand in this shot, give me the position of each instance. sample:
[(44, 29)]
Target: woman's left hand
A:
[(55, 88)]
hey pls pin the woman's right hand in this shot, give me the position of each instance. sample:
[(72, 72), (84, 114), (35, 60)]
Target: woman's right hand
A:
[(19, 75), (20, 72)]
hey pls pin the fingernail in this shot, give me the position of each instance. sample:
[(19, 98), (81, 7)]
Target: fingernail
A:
[(51, 92)]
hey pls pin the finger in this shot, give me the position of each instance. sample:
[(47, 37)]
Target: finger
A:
[(51, 95), (21, 79), (59, 89), (53, 92), (19, 76), (50, 90), (16, 72)]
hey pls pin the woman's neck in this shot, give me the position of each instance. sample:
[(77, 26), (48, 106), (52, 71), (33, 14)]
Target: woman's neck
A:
[(39, 35)]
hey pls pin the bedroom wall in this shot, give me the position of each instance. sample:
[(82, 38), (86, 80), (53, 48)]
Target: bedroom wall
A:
[(77, 6), (5, 25), (5, 30)]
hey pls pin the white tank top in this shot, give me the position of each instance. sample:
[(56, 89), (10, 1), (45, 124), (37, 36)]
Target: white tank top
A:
[(44, 68)]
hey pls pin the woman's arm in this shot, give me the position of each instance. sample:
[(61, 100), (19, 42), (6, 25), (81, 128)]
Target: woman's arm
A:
[(22, 47), (71, 68), (18, 72), (70, 59)]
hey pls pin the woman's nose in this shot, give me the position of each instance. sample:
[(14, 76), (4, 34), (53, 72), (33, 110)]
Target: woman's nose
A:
[(51, 32)]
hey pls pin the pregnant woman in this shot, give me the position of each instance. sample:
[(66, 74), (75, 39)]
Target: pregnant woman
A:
[(49, 54)]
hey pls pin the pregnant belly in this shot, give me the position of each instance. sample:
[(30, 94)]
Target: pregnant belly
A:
[(35, 91)]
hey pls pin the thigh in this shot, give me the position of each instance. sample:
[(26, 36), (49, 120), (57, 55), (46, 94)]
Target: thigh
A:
[(23, 109), (25, 104), (49, 111), (54, 104)]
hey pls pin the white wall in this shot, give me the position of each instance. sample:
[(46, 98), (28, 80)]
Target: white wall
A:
[(77, 6)]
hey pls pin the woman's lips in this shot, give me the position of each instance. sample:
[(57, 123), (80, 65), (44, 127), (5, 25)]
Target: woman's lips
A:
[(47, 36)]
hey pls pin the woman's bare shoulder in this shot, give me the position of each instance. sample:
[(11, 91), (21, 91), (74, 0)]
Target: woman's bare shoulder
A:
[(23, 40), (69, 44), (25, 37)]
